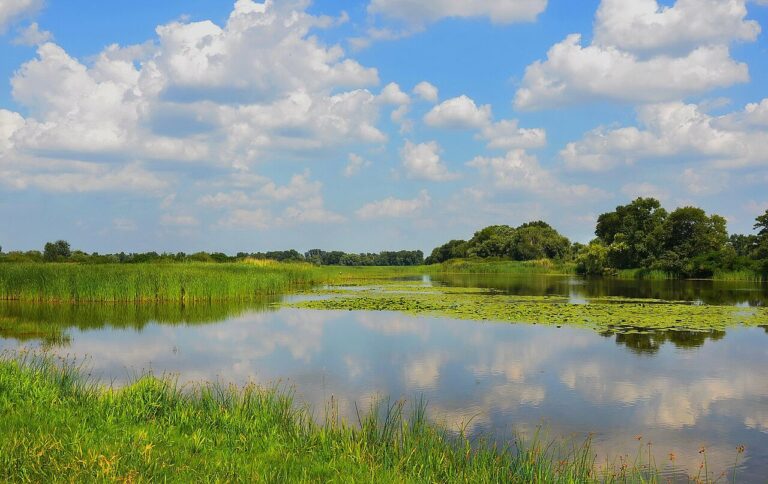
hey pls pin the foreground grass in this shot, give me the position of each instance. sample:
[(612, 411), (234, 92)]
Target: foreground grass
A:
[(150, 282), (621, 315), (56, 426)]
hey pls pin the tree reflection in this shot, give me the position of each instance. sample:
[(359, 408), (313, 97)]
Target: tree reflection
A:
[(649, 342)]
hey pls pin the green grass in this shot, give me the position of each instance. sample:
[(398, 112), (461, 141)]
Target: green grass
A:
[(56, 425), (150, 282), (719, 275)]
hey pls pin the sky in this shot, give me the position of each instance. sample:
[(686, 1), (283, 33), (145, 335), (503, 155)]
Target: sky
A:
[(189, 125)]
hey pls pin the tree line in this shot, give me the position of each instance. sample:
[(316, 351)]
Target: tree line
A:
[(61, 251), (686, 242)]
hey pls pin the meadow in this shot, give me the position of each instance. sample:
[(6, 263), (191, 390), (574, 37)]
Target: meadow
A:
[(59, 426)]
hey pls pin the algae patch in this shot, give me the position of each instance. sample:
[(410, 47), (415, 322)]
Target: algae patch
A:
[(606, 313)]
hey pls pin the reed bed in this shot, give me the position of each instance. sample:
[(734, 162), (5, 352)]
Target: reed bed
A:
[(150, 282), (58, 425)]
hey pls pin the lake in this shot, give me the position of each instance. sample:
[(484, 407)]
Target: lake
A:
[(678, 390)]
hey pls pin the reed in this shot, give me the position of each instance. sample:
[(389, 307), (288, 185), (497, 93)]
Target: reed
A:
[(58, 425), (150, 282)]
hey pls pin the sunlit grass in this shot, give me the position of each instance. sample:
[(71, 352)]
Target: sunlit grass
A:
[(150, 282), (58, 425)]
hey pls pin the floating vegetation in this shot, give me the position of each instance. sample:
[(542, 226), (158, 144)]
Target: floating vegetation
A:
[(604, 313)]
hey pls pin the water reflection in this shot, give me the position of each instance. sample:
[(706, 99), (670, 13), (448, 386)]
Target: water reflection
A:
[(681, 390), (578, 289), (649, 342)]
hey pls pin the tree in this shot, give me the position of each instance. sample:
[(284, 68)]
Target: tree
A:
[(592, 259), (631, 232), (761, 225), (689, 232), (56, 251)]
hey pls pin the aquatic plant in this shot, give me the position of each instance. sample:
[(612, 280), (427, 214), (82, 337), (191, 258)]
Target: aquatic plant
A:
[(603, 313)]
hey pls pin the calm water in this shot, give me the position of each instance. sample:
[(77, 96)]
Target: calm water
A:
[(679, 390)]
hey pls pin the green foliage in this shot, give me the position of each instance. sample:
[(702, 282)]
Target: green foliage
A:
[(56, 251), (530, 241), (631, 232), (592, 260)]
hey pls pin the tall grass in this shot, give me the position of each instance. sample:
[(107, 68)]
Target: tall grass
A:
[(480, 266), (149, 282), (59, 426)]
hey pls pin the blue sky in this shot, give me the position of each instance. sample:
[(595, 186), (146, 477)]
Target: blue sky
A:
[(366, 126)]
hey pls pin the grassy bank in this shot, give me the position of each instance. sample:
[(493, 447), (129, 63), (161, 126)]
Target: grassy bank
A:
[(481, 266), (719, 275), (57, 426), (150, 282)]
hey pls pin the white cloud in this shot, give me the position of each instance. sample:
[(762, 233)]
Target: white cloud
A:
[(420, 12), (261, 87), (426, 91), (32, 35), (518, 170), (672, 129), (179, 220), (252, 219), (422, 161), (67, 177), (270, 204), (507, 135), (392, 94), (356, 163), (573, 73), (704, 182), (644, 189), (394, 207), (12, 10), (460, 113), (645, 26)]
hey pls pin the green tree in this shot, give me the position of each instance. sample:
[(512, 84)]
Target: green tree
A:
[(537, 240), (56, 251), (592, 259), (689, 232), (492, 241), (631, 232)]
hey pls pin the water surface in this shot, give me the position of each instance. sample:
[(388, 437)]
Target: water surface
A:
[(679, 390)]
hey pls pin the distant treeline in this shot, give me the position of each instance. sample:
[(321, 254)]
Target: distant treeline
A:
[(640, 235), (60, 251)]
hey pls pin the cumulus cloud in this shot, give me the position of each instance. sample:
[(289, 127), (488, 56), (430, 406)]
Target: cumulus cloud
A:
[(573, 73), (646, 26), (394, 207), (422, 161), (672, 129), (518, 170), (426, 91), (356, 163), (460, 112), (392, 94), (12, 10), (420, 12), (260, 87), (643, 52), (269, 204), (507, 135), (32, 35), (463, 113)]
